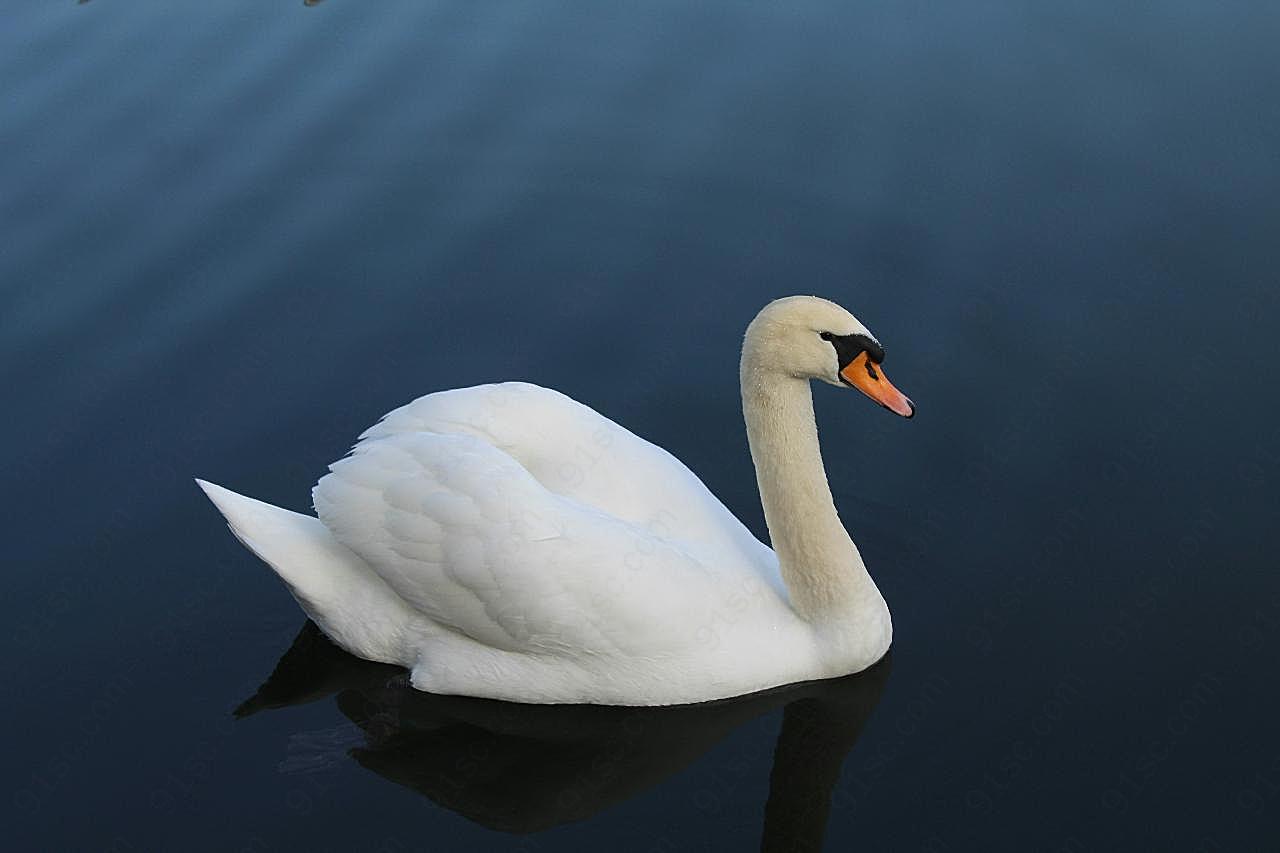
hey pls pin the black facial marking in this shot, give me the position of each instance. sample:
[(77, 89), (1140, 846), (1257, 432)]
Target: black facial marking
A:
[(848, 347)]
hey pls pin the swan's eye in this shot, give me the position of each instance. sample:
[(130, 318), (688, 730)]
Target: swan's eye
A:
[(826, 336)]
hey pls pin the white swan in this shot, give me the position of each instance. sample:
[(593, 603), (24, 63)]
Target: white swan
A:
[(506, 541)]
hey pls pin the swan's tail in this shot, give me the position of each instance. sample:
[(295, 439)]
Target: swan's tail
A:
[(337, 589)]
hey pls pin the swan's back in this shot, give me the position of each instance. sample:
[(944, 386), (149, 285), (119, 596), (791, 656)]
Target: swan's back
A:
[(577, 453)]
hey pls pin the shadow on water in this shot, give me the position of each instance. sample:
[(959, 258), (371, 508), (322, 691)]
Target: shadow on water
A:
[(526, 768)]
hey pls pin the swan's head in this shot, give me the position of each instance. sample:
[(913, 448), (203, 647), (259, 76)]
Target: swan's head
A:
[(811, 338)]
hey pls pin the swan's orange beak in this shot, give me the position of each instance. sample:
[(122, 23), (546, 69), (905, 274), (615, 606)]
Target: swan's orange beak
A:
[(868, 378)]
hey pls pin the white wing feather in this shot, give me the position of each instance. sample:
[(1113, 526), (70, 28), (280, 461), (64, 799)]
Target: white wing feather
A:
[(464, 503), (576, 452)]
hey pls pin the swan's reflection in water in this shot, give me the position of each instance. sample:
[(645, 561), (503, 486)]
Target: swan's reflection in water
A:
[(524, 768)]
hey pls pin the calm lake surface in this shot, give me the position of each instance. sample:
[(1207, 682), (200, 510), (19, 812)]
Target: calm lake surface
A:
[(234, 234)]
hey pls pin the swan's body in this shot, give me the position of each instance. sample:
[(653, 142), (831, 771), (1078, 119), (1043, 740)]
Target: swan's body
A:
[(506, 541)]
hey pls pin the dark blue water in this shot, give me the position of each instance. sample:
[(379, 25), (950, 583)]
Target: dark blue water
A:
[(234, 234)]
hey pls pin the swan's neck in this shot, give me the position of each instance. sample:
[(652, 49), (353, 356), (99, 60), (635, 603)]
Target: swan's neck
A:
[(821, 566)]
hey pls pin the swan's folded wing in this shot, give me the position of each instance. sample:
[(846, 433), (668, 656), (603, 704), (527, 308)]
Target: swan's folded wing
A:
[(471, 539), (576, 452)]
